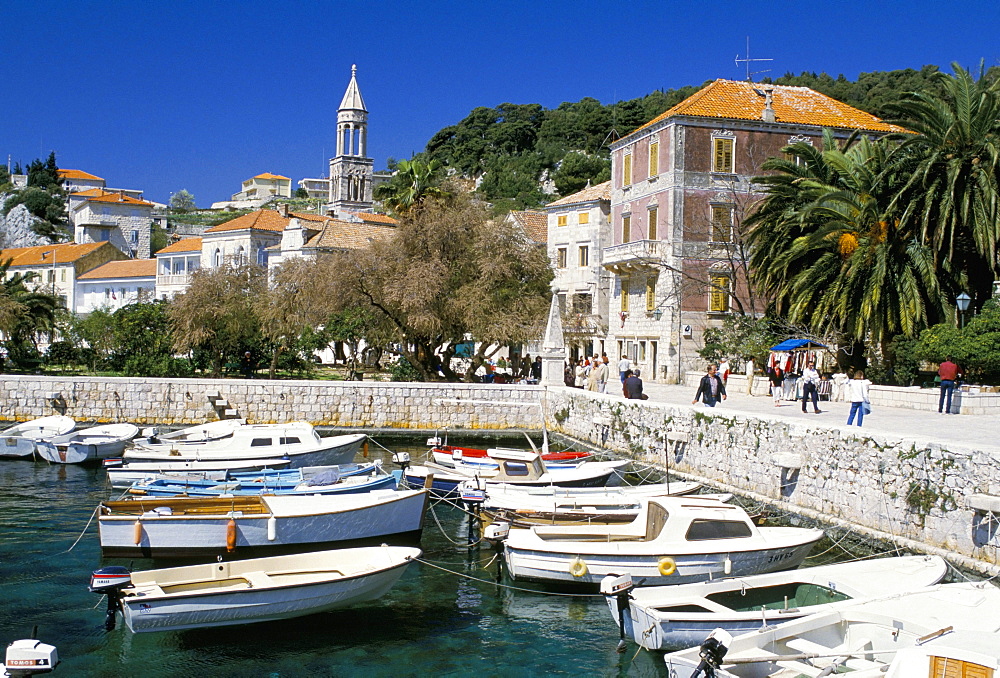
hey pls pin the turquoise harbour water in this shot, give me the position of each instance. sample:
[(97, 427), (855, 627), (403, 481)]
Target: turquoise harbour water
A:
[(432, 623)]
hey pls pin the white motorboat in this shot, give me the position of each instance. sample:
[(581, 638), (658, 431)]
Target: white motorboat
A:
[(20, 440), (249, 591), (197, 434), (672, 617), (297, 441), (88, 444), (168, 527), (675, 540), (945, 630), (515, 467), (124, 475)]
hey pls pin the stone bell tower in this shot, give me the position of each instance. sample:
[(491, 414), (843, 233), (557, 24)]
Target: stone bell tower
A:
[(351, 168)]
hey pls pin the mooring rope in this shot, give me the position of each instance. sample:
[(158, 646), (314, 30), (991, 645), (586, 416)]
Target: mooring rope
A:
[(85, 528), (507, 586)]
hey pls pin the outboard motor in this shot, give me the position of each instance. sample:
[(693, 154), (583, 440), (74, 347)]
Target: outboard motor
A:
[(28, 658), (401, 458), (620, 587), (712, 652), (110, 580)]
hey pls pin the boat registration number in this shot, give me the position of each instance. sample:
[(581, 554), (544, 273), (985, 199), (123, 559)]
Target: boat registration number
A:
[(778, 557)]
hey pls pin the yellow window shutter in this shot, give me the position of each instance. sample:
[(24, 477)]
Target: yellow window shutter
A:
[(654, 158), (650, 294), (723, 159), (652, 223), (627, 171), (625, 283)]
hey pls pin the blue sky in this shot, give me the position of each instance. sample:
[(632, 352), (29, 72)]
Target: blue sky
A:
[(161, 96)]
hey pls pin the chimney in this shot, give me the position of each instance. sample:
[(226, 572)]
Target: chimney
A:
[(283, 209), (768, 114)]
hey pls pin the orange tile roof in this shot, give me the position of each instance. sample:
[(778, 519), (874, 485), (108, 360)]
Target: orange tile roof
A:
[(373, 218), (90, 192), (63, 253), (346, 235), (76, 174), (130, 268), (738, 100), (535, 224), (119, 198), (261, 220), (308, 216), (589, 194), (185, 245), (268, 175)]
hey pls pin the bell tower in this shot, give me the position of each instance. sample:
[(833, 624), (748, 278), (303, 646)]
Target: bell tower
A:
[(351, 168)]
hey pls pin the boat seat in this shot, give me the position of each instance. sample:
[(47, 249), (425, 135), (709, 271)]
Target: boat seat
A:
[(258, 579)]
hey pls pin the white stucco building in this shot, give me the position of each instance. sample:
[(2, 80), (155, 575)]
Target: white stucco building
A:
[(116, 217), (116, 284)]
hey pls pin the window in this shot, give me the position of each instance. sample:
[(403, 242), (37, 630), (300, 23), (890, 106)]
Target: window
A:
[(626, 228), (650, 294), (561, 257), (584, 255), (625, 283), (50, 276), (62, 275), (261, 256), (515, 468), (722, 223), (134, 236), (260, 442), (583, 218), (722, 155), (178, 266), (627, 170), (561, 220), (702, 529), (719, 294), (217, 259), (642, 352), (240, 255), (652, 222), (193, 264), (582, 303), (654, 158), (164, 266)]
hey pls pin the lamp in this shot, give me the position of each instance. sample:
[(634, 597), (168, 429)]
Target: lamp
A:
[(657, 314), (962, 302)]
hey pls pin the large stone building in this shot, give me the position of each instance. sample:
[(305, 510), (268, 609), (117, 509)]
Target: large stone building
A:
[(579, 228), (680, 190)]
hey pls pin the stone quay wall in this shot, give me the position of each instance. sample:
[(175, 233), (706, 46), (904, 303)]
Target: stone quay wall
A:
[(925, 495)]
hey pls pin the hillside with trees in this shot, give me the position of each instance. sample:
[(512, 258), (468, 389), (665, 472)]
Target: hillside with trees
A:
[(525, 155)]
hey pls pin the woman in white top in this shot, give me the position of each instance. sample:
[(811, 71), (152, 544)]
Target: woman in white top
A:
[(857, 394)]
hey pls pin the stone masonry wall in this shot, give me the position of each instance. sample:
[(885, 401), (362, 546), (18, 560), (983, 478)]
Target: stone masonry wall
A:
[(923, 494)]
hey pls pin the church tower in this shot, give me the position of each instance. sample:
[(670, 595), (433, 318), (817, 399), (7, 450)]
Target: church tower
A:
[(351, 169)]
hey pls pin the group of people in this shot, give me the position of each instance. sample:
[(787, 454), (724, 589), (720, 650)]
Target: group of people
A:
[(511, 370), (590, 373)]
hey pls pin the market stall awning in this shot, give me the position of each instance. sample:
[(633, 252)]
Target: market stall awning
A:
[(797, 344)]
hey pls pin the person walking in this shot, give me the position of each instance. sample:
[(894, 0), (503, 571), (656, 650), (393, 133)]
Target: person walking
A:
[(724, 371), (857, 394), (776, 378), (600, 374), (632, 386), (949, 373), (623, 366), (711, 389), (810, 386), (750, 375)]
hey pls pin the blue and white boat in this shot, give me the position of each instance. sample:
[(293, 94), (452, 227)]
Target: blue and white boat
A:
[(342, 479)]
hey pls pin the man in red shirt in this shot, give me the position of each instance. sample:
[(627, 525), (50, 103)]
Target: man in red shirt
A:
[(949, 373)]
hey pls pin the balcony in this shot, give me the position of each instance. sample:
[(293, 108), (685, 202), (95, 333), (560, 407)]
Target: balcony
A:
[(584, 323), (636, 255)]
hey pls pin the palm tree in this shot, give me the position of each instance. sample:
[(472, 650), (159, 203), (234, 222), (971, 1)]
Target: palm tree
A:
[(952, 161), (831, 251), (413, 182), (24, 312)]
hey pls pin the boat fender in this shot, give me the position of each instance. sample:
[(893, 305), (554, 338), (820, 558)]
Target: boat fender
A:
[(364, 450), (666, 566), (137, 532), (577, 567), (231, 536), (727, 566), (272, 528)]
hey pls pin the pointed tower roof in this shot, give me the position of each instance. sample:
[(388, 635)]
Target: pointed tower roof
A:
[(352, 97)]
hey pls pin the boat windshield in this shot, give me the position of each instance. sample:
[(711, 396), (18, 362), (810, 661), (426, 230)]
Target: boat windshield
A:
[(702, 529), (777, 597)]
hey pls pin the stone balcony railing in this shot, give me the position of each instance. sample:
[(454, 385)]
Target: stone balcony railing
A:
[(636, 254)]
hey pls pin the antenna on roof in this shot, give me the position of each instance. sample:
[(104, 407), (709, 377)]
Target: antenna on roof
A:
[(746, 60)]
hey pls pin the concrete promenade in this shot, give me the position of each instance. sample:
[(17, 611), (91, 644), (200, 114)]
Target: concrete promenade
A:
[(980, 432)]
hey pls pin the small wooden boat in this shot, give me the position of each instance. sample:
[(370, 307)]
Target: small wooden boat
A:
[(683, 615), (944, 630), (255, 590), (448, 455), (21, 440), (342, 479), (181, 527), (675, 540), (516, 467), (297, 441), (123, 475), (88, 445)]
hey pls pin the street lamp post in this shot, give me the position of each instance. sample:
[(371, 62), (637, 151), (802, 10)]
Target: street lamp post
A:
[(962, 302)]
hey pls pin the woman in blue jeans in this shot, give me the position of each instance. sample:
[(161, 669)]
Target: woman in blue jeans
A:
[(857, 394)]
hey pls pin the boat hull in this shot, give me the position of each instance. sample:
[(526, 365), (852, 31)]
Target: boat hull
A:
[(528, 564), (332, 451), (251, 604), (299, 523)]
